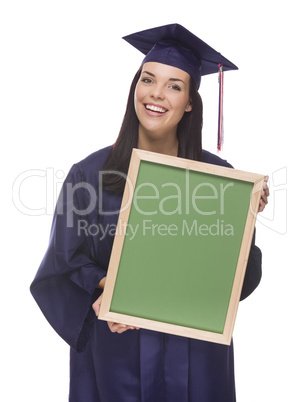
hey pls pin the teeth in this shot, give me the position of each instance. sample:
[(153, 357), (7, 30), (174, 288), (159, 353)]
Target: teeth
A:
[(155, 108)]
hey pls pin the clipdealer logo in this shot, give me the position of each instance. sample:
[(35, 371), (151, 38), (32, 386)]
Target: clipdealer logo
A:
[(47, 185), (147, 227)]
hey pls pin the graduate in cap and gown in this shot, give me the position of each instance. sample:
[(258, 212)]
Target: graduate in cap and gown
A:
[(111, 362)]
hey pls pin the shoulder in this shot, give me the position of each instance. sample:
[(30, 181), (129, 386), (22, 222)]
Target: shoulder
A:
[(95, 160), (208, 157), (88, 168)]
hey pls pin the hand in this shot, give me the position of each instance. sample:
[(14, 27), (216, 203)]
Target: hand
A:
[(114, 327), (119, 328), (264, 196), (96, 305)]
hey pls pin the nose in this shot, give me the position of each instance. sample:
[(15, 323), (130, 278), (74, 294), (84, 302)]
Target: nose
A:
[(157, 92)]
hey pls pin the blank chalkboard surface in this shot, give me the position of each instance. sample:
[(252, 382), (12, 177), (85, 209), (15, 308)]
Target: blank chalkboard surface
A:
[(181, 248)]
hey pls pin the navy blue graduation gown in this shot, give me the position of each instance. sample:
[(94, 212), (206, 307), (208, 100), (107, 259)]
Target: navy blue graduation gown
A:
[(136, 366)]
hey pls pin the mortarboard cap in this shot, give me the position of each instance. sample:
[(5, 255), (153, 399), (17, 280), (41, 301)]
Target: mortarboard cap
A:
[(174, 45)]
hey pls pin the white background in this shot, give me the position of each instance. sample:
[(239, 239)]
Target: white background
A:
[(65, 74)]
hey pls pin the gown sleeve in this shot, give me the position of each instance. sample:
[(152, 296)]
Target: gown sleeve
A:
[(65, 284), (253, 272)]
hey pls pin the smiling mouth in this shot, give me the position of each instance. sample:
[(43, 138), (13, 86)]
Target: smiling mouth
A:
[(156, 109)]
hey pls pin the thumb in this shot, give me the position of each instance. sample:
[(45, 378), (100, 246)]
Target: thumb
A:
[(96, 305)]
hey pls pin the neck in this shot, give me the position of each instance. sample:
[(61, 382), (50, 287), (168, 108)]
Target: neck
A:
[(167, 146)]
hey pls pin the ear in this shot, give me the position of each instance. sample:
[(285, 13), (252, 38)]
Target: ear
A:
[(188, 107)]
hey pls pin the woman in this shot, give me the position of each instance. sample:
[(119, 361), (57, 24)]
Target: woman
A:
[(113, 362)]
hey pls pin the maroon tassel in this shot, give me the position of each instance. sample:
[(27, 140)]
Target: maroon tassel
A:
[(220, 109)]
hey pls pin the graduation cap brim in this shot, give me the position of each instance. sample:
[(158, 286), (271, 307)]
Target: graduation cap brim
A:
[(145, 40)]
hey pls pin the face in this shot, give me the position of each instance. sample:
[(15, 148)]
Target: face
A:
[(161, 99)]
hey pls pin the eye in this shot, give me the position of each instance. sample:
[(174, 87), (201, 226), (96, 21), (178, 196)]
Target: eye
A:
[(175, 87), (146, 80)]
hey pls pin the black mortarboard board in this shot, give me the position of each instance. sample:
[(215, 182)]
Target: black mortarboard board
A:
[(174, 45)]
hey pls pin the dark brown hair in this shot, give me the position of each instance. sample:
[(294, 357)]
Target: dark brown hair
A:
[(189, 134)]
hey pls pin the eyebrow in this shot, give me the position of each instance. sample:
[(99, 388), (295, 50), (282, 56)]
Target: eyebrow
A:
[(170, 79)]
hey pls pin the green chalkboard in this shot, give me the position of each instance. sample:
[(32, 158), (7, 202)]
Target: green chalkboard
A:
[(182, 244)]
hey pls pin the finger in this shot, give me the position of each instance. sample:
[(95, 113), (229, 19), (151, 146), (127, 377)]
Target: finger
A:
[(265, 186), (121, 330), (261, 206), (264, 195), (96, 305), (266, 192), (115, 327), (264, 198), (96, 308), (127, 328)]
